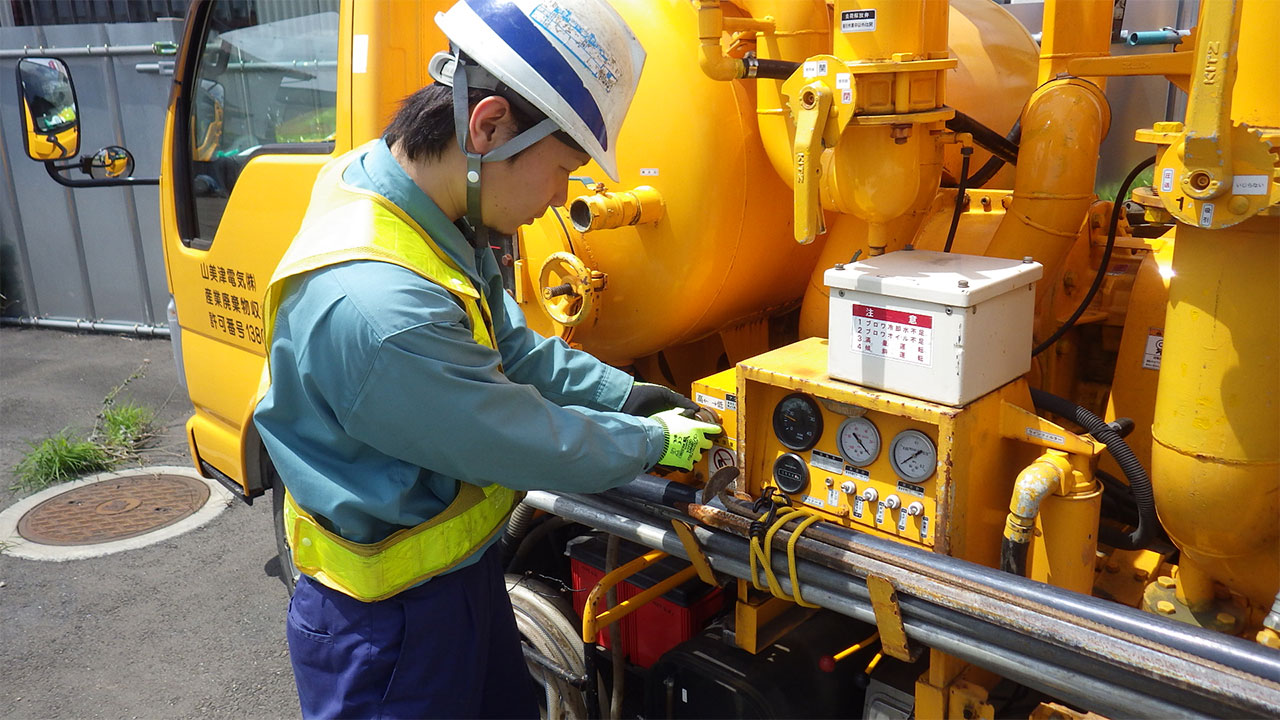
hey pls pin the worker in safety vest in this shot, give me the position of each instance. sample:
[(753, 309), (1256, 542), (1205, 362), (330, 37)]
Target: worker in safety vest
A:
[(408, 404)]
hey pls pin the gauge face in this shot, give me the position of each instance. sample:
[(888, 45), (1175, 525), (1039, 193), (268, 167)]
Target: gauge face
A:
[(790, 473), (913, 456), (797, 421), (859, 441)]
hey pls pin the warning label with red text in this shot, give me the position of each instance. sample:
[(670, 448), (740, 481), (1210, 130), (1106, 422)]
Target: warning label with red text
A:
[(893, 334)]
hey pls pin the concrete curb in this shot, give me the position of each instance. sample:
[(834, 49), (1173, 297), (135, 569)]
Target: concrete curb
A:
[(11, 543)]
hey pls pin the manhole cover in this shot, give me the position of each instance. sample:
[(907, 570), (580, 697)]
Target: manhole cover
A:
[(114, 509)]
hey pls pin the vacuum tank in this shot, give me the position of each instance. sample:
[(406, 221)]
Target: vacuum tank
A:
[(697, 236)]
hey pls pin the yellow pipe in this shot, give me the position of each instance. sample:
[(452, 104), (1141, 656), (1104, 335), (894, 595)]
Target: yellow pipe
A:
[(711, 57), (608, 210), (1215, 455), (1037, 481), (1073, 29), (593, 622), (1062, 127), (875, 636), (749, 24), (802, 29), (1054, 509)]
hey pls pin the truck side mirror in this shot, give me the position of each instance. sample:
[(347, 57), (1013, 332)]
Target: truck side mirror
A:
[(50, 118)]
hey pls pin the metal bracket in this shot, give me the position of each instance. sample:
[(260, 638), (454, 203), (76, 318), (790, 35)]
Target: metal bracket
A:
[(893, 635), (699, 559)]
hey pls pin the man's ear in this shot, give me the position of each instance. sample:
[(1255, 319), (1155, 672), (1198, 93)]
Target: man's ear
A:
[(491, 124)]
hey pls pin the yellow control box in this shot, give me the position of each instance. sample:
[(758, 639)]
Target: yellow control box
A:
[(914, 471), (719, 394)]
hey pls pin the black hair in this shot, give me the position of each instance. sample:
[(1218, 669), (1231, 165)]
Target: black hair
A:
[(423, 126)]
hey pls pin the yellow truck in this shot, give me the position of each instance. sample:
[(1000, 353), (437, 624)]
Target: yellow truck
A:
[(994, 445)]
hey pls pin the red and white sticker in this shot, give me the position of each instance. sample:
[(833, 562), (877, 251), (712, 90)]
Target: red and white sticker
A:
[(721, 457), (1154, 350), (893, 334)]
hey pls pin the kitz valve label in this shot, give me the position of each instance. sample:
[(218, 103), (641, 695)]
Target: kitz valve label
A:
[(893, 334), (858, 21)]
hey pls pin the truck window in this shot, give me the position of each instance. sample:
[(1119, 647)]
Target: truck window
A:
[(265, 82)]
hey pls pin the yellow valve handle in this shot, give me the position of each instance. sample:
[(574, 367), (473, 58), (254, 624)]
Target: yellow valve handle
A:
[(814, 103), (568, 288)]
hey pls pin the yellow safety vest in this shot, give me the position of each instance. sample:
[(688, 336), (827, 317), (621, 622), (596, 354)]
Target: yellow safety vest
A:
[(344, 223)]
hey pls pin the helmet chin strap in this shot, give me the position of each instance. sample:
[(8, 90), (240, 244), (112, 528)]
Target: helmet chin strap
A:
[(461, 122)]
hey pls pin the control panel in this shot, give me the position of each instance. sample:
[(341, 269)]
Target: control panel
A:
[(914, 471), (864, 467)]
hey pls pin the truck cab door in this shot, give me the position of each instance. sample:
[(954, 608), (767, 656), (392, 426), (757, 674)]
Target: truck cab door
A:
[(251, 121)]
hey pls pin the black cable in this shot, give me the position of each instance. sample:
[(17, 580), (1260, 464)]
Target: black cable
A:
[(1139, 481), (1116, 209), (965, 152)]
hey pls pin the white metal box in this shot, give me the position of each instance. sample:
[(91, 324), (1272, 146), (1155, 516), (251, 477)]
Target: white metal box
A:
[(942, 327)]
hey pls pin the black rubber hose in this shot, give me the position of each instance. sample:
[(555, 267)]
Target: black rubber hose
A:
[(965, 153), (987, 139), (1139, 482), (776, 69), (1116, 209), (995, 162), (986, 172), (1013, 556)]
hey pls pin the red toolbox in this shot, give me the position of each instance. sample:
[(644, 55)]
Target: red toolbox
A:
[(658, 626)]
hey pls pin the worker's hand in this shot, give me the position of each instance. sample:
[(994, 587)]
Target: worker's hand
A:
[(686, 438), (646, 399)]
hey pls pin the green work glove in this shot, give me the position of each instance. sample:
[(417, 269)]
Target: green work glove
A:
[(646, 399), (686, 438)]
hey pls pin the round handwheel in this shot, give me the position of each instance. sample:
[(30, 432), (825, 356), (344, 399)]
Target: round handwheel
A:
[(567, 288)]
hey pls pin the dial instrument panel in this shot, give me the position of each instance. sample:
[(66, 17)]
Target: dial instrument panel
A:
[(913, 456), (859, 441), (797, 422), (791, 473)]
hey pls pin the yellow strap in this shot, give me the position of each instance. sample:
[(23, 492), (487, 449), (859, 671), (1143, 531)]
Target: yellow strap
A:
[(762, 555), (376, 571)]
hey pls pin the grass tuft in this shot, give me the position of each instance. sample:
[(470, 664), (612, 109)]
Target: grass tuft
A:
[(124, 427), (58, 459)]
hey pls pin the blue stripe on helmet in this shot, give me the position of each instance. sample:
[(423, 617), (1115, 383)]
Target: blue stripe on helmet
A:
[(519, 32)]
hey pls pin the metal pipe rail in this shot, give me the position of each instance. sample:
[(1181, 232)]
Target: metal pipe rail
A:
[(93, 326), (162, 47), (1081, 658)]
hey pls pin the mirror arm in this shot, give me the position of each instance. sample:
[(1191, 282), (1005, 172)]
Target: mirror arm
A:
[(56, 169)]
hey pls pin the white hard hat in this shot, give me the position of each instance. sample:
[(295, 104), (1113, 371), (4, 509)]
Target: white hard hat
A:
[(575, 60)]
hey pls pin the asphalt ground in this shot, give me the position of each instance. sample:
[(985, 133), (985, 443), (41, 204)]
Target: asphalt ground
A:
[(192, 627)]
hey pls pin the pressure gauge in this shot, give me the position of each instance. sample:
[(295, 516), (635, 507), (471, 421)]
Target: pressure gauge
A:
[(859, 441), (797, 421), (791, 473), (913, 456)]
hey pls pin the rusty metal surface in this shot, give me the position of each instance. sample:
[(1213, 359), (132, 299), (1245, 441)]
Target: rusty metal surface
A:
[(113, 509), (893, 636)]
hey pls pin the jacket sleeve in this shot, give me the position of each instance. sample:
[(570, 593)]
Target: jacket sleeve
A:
[(433, 397), (563, 375)]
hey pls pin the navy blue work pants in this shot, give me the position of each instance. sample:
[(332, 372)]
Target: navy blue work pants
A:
[(448, 648)]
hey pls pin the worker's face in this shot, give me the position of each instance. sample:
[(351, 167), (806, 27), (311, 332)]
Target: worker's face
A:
[(518, 191)]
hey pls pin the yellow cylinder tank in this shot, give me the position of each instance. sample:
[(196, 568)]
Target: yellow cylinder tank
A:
[(721, 250), (1216, 457)]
